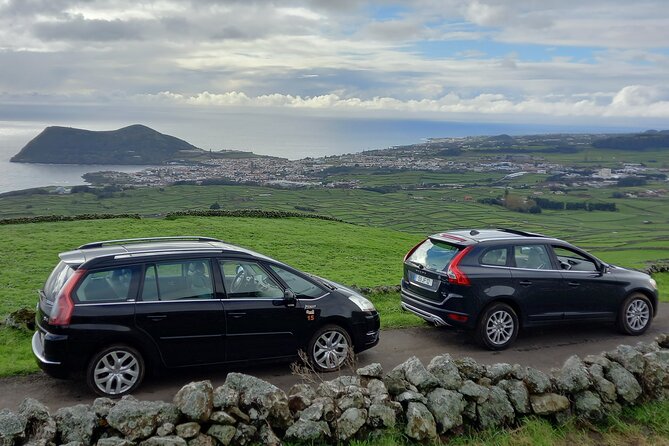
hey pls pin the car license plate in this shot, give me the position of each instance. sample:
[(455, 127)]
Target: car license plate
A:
[(422, 279)]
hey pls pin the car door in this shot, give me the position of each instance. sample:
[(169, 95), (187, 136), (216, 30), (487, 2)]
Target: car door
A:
[(179, 309), (261, 322), (537, 283), (588, 293)]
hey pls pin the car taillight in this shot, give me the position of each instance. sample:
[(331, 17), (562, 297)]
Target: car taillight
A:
[(63, 306), (457, 317), (454, 274), (411, 251)]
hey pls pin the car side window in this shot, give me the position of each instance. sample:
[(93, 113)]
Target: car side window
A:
[(495, 257), (246, 279), (572, 260), (175, 280), (532, 257), (110, 285), (298, 285)]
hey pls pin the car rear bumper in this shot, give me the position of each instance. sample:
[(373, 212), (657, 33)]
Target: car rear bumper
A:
[(436, 313), (43, 346)]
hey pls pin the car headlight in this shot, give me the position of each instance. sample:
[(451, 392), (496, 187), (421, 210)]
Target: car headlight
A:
[(363, 303), (653, 283)]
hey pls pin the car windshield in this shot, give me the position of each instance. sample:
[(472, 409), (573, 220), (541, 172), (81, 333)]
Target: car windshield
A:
[(434, 255)]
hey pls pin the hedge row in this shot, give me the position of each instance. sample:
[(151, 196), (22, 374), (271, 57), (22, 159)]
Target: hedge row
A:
[(253, 213)]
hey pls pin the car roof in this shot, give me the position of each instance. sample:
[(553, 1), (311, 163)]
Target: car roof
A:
[(473, 236), (146, 247)]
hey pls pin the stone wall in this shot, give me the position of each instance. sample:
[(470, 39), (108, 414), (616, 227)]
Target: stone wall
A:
[(423, 402)]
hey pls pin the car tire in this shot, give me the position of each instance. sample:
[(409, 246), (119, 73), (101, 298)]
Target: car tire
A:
[(329, 348), (498, 327), (115, 371), (635, 315)]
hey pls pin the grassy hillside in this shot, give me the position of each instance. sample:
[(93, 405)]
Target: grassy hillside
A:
[(636, 235), (349, 254)]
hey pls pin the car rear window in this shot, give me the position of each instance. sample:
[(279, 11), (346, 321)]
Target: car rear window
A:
[(434, 254), (56, 280)]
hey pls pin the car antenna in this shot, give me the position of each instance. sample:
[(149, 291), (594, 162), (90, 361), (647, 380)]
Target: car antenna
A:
[(474, 232)]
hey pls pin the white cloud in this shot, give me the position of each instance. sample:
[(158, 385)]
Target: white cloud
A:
[(488, 57), (631, 101)]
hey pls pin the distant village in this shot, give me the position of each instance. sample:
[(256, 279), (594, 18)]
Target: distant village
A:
[(472, 154)]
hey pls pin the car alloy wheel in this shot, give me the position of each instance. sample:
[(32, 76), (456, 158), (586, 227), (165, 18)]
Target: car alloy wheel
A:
[(116, 371), (498, 327), (329, 348), (635, 314), (638, 314)]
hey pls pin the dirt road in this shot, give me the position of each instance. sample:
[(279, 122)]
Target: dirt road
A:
[(543, 349)]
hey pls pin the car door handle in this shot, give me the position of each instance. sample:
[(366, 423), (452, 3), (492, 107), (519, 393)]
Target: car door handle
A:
[(525, 282), (156, 317), (237, 314), (573, 283)]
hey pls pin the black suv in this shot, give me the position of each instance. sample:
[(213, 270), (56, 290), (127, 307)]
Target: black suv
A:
[(497, 281), (114, 308)]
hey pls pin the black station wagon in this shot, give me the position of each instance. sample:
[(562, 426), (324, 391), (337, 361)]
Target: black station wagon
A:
[(114, 308), (497, 281)]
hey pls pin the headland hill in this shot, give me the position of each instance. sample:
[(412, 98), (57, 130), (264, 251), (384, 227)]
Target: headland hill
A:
[(133, 145)]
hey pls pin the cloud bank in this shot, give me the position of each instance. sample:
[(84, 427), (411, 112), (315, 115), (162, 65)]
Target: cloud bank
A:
[(434, 58)]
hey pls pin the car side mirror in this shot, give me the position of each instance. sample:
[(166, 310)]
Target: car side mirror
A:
[(603, 268), (289, 298)]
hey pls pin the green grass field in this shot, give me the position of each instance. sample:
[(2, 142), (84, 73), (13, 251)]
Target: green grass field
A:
[(636, 235), (346, 253)]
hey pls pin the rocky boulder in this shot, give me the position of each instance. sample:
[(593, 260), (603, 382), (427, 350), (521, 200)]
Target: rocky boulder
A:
[(138, 420), (446, 406), (496, 411), (308, 431), (371, 371), (12, 427), (76, 423), (549, 403), (420, 423), (627, 386), (518, 395), (628, 357), (588, 405), (573, 377), (270, 401), (40, 427), (196, 400), (443, 368), (224, 434), (350, 423), (537, 381)]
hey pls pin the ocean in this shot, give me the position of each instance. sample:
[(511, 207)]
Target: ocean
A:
[(292, 137)]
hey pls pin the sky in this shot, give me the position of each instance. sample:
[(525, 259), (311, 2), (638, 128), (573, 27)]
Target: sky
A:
[(595, 62)]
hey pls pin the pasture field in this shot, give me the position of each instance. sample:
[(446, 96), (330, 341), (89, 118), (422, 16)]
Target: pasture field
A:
[(348, 254), (636, 235), (345, 253)]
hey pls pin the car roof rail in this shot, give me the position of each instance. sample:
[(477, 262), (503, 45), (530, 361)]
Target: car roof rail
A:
[(194, 238), (210, 249), (519, 232)]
